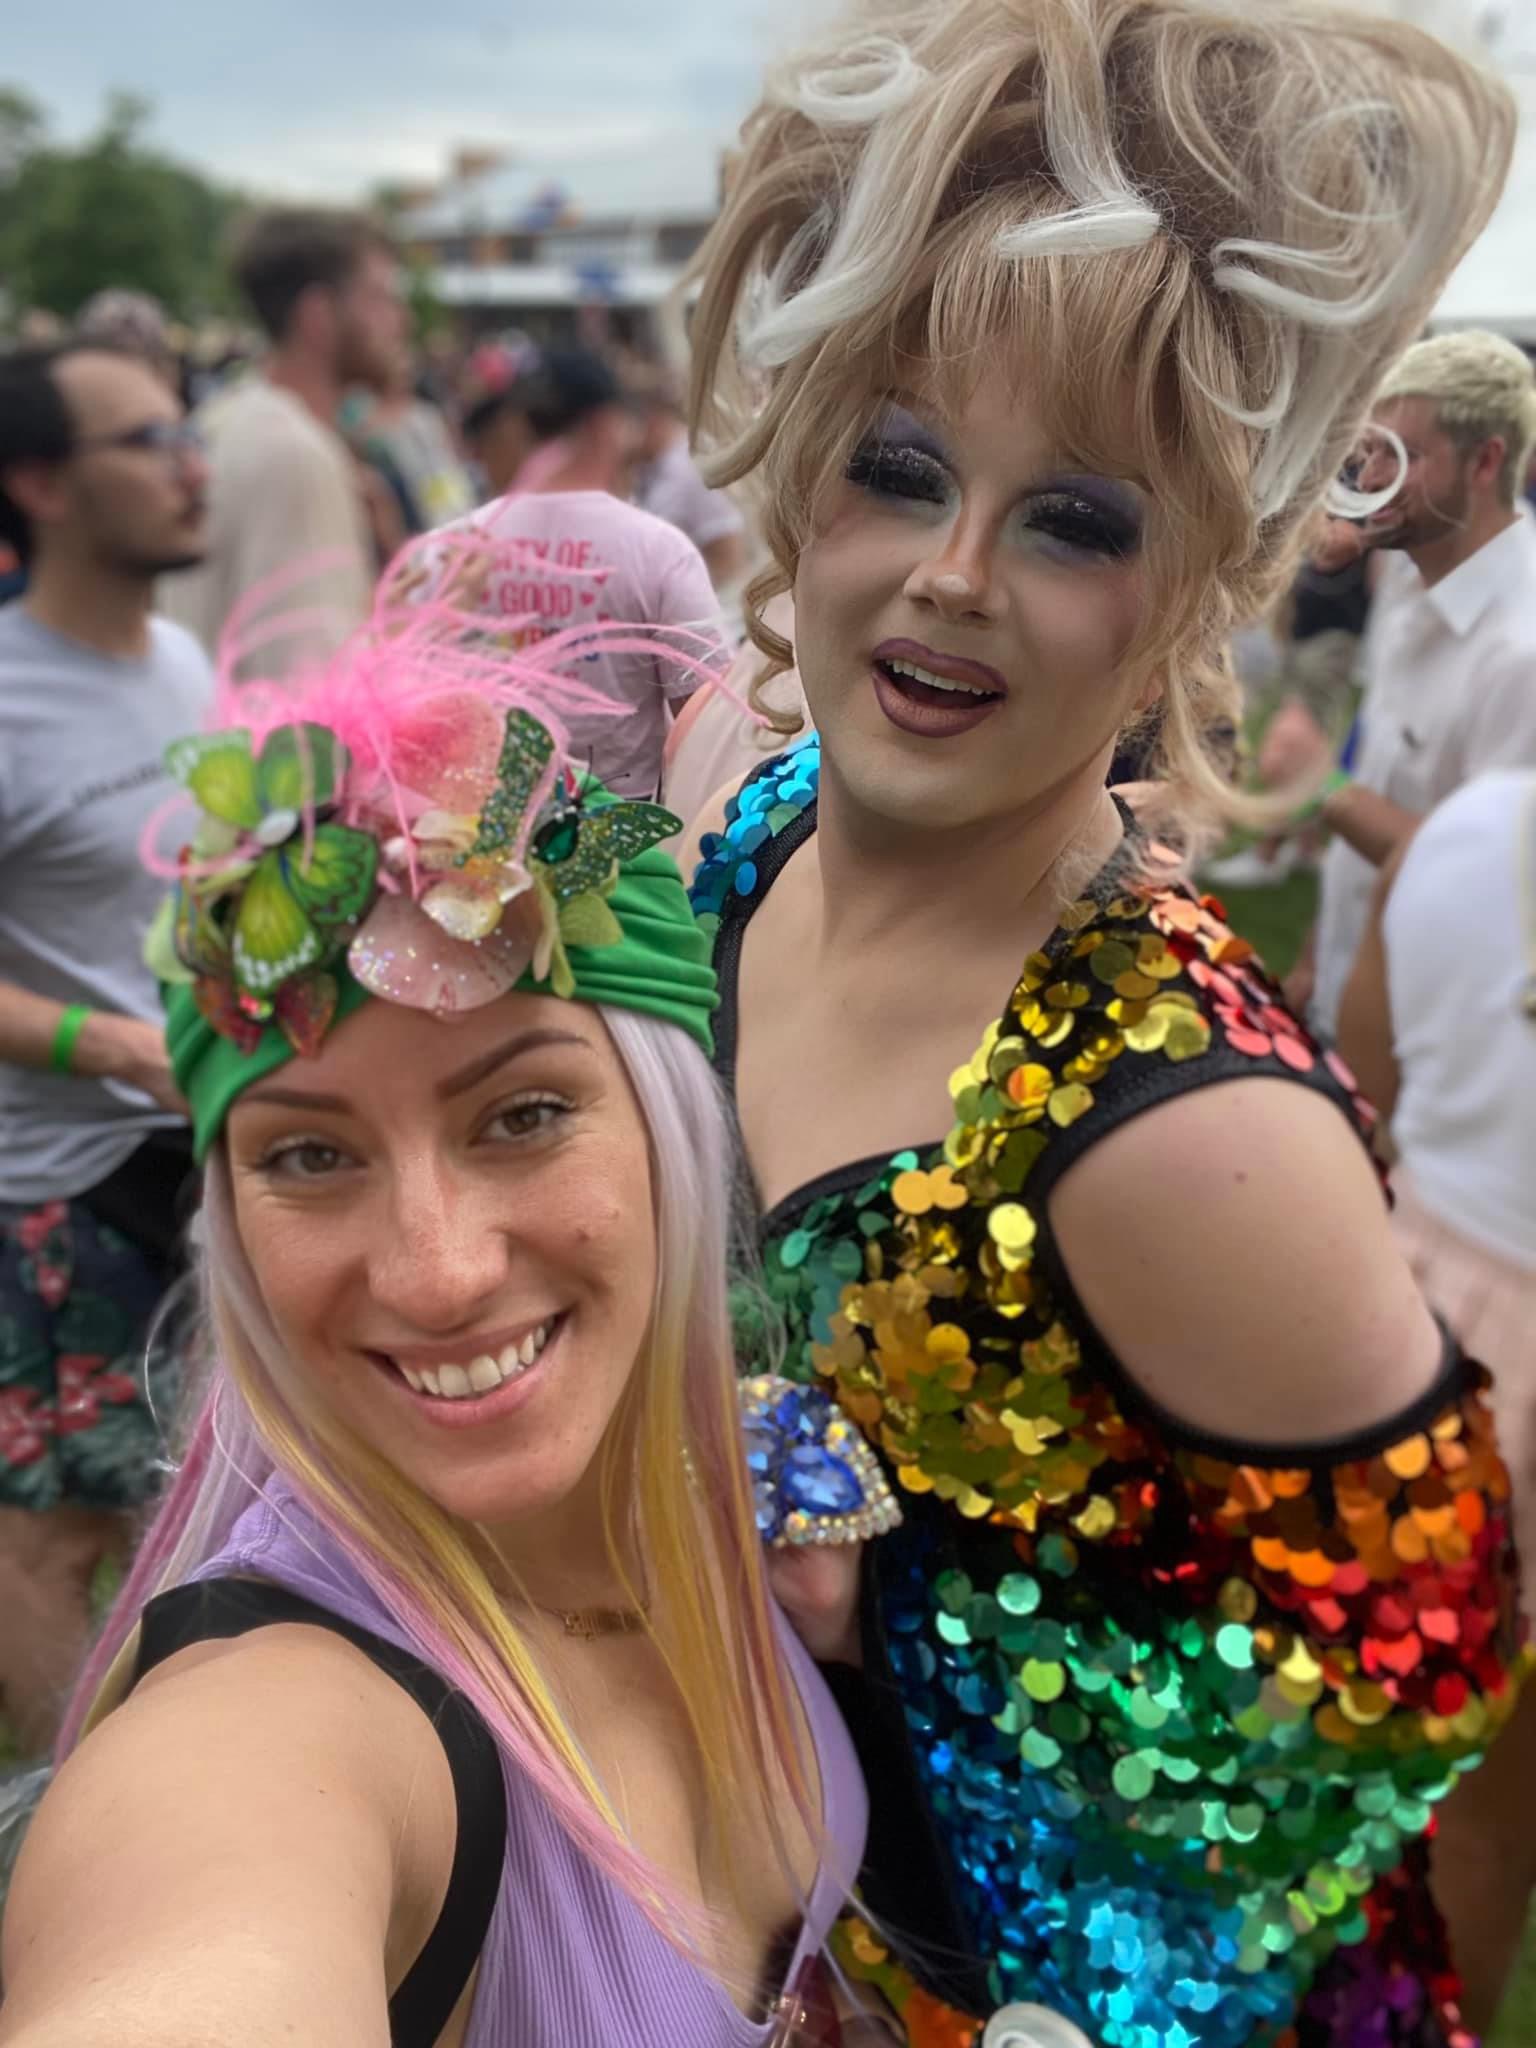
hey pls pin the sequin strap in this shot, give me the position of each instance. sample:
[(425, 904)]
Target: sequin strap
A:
[(1139, 998), (728, 875)]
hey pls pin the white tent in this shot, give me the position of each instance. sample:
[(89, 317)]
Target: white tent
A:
[(1495, 285)]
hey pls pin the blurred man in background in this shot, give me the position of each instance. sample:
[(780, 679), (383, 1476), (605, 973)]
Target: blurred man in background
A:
[(286, 489), (101, 492), (404, 437), (668, 483), (548, 420), (1450, 658)]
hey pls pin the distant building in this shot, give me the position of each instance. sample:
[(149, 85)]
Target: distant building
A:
[(512, 242)]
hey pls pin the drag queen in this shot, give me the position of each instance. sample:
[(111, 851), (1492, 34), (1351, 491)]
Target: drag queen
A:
[(1043, 328)]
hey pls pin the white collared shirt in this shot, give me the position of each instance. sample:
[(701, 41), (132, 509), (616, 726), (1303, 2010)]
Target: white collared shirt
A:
[(1465, 1124), (1450, 675)]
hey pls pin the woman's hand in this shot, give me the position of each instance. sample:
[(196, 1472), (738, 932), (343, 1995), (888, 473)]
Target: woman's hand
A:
[(819, 1591)]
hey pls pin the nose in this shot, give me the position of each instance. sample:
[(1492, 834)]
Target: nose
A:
[(192, 463), (442, 1255), (957, 578)]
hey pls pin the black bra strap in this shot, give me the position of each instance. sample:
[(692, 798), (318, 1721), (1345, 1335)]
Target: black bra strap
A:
[(434, 1984)]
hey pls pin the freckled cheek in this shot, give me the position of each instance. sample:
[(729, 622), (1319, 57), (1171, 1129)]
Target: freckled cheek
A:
[(309, 1279), (598, 1218)]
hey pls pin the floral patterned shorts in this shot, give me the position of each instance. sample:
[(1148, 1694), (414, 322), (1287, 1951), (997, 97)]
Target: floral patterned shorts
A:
[(83, 1411)]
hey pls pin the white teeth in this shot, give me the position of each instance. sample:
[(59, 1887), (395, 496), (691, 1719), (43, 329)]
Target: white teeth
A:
[(933, 682), (483, 1374)]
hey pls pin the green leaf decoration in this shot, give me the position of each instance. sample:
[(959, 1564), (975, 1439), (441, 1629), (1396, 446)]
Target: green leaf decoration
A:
[(608, 835), (301, 766), (526, 749), (220, 771), (199, 942), (561, 980), (588, 920), (335, 884), (160, 954), (273, 935), (215, 839)]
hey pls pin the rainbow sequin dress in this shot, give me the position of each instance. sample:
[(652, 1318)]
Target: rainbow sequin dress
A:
[(1155, 1724)]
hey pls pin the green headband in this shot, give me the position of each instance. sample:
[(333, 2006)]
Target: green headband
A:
[(660, 967), (274, 934)]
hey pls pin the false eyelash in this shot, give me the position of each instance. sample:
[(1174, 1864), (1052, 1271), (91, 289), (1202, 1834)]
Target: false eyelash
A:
[(892, 470), (1084, 524)]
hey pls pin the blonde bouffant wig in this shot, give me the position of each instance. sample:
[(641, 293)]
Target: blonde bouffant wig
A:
[(1193, 236)]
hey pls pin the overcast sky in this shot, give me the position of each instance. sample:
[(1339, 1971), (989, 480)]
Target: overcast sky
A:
[(327, 96)]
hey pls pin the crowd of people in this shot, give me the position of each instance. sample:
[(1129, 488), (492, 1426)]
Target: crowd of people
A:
[(735, 1373)]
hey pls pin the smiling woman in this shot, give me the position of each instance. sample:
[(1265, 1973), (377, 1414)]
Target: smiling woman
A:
[(446, 1703)]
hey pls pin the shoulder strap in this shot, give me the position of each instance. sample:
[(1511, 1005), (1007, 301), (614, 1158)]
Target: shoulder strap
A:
[(1147, 996), (220, 1608), (772, 814)]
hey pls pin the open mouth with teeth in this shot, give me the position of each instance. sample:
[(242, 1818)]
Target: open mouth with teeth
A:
[(479, 1375), (922, 686)]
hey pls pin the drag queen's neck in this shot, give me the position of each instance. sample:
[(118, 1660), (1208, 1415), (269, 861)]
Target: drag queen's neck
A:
[(994, 873)]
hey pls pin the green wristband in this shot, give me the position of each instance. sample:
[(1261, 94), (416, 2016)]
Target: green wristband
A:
[(71, 1024), (1339, 779)]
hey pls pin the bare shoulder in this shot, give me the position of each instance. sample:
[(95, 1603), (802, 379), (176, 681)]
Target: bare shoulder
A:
[(1234, 1249), (266, 1826), (711, 818)]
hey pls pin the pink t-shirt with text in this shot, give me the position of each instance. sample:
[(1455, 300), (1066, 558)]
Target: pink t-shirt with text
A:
[(634, 569)]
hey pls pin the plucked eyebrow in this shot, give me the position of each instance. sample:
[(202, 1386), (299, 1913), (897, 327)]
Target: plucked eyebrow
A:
[(458, 1083)]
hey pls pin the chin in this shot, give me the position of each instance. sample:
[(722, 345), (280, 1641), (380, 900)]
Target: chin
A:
[(510, 1492), (173, 565), (929, 785)]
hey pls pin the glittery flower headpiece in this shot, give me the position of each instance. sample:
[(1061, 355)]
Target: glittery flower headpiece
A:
[(404, 824)]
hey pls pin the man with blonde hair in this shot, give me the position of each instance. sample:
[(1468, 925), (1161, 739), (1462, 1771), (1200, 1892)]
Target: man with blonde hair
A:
[(1450, 657)]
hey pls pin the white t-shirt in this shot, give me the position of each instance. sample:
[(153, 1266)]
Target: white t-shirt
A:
[(581, 558), (673, 489), (1458, 937), (82, 770), (1450, 693), (283, 489)]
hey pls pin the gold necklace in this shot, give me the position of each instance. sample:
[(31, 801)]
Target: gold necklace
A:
[(586, 1624)]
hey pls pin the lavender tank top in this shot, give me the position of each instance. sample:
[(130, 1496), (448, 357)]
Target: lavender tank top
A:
[(569, 1957)]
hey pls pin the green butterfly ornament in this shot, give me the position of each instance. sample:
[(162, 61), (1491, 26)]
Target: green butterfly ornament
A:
[(300, 893), (573, 856)]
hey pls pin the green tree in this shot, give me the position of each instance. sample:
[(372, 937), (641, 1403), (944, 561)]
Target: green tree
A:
[(113, 212), (22, 128)]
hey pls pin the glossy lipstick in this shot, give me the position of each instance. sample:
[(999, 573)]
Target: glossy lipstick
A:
[(928, 710)]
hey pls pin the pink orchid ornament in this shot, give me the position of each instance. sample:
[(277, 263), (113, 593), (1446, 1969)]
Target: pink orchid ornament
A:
[(407, 957)]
